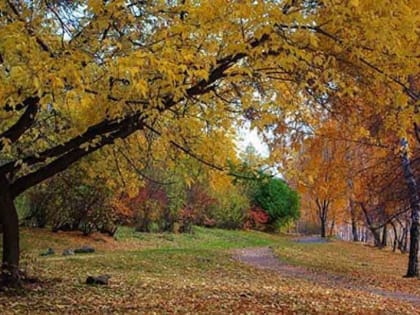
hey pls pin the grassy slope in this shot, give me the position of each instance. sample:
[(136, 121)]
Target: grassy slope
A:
[(165, 273)]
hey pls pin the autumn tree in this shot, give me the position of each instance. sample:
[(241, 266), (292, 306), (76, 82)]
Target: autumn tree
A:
[(320, 174)]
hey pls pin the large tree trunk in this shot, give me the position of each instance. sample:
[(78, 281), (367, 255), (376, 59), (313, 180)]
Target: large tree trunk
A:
[(10, 222), (412, 270)]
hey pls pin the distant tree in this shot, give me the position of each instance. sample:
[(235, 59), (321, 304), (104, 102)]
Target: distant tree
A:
[(276, 198)]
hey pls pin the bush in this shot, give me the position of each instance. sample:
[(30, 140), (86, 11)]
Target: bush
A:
[(256, 219), (199, 205), (186, 219), (71, 202), (148, 209), (231, 209), (278, 200)]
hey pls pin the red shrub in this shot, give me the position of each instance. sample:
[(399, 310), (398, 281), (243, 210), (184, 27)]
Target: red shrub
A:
[(200, 204), (209, 222), (186, 218), (256, 219), (149, 205)]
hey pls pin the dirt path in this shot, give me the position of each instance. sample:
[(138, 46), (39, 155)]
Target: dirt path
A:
[(264, 258)]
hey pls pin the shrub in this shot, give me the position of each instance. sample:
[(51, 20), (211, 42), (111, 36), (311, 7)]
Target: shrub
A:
[(199, 205), (231, 209), (71, 202), (257, 218), (148, 209), (186, 219), (278, 200)]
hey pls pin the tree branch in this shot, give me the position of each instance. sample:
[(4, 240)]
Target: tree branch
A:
[(24, 122), (188, 151), (69, 152), (64, 161)]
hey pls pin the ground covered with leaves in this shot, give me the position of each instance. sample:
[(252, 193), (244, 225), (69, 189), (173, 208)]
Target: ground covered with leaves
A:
[(198, 273)]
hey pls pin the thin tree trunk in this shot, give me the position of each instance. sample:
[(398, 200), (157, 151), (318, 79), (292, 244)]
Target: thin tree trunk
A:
[(332, 228), (10, 222), (385, 236), (376, 238), (404, 240), (412, 270), (323, 228), (405, 244), (353, 221), (323, 215), (374, 231), (394, 246)]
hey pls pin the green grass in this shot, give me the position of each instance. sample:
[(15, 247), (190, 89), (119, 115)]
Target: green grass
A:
[(188, 274), (201, 238)]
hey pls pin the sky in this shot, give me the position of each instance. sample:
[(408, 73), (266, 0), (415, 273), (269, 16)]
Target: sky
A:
[(250, 136)]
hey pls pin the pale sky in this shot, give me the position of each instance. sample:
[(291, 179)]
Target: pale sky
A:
[(248, 136)]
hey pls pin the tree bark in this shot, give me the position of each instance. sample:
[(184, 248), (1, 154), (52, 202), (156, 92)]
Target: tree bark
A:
[(323, 228), (402, 244), (376, 238), (332, 228), (323, 215), (412, 270), (374, 231), (353, 221), (384, 236), (10, 222), (395, 242)]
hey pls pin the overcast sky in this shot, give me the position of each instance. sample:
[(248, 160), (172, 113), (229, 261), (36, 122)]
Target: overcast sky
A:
[(248, 136)]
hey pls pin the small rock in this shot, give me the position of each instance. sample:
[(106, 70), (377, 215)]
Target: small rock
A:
[(204, 259), (84, 250), (68, 252), (49, 252), (101, 280)]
